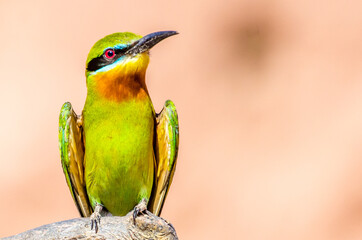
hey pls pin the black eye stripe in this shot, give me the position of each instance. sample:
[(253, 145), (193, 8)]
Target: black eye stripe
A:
[(120, 50), (101, 61)]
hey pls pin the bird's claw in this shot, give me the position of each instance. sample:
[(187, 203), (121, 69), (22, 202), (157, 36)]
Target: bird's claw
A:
[(96, 218), (140, 208), (95, 221)]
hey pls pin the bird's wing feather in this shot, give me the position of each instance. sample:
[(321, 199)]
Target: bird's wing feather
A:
[(166, 148), (72, 156)]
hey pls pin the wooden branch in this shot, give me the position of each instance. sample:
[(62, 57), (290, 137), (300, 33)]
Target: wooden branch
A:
[(148, 226)]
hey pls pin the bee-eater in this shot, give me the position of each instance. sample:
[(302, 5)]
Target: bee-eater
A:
[(119, 155)]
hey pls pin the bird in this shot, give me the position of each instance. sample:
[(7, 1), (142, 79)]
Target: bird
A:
[(119, 155)]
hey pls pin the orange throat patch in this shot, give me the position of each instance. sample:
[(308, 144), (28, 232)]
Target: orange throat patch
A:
[(121, 87)]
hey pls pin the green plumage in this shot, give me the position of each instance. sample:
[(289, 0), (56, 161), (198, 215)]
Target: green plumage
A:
[(119, 152), (64, 133)]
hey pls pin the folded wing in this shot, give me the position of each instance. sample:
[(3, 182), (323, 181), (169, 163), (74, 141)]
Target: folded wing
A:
[(166, 148), (72, 157)]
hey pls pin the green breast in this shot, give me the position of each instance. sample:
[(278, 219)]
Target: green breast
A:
[(119, 153)]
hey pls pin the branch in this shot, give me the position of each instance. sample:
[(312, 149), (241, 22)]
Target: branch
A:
[(148, 226)]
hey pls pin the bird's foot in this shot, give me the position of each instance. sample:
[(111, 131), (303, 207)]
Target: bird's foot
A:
[(96, 217), (140, 208)]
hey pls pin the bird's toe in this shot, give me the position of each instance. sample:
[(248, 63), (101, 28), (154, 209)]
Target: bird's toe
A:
[(139, 208)]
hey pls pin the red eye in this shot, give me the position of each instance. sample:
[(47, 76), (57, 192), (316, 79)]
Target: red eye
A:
[(109, 53)]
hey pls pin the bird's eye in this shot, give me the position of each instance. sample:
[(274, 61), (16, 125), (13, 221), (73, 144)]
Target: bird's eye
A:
[(109, 53)]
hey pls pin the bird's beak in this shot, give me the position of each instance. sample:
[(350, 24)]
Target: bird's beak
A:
[(148, 41)]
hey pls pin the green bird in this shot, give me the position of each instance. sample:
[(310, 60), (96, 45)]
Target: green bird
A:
[(119, 155)]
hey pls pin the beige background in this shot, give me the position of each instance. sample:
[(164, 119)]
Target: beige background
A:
[(269, 95)]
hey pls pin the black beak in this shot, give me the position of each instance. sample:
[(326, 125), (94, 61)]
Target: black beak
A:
[(148, 41)]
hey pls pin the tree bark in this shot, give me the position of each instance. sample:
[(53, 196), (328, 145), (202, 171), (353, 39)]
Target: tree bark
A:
[(148, 226)]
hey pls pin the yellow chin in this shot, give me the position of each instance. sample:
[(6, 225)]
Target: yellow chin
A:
[(129, 66), (133, 65)]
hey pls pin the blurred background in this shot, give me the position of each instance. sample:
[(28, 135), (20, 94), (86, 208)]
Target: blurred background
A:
[(269, 96)]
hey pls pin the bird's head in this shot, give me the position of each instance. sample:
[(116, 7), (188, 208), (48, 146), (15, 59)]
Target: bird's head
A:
[(120, 60)]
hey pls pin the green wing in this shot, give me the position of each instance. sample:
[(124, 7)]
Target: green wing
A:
[(166, 148), (72, 156)]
